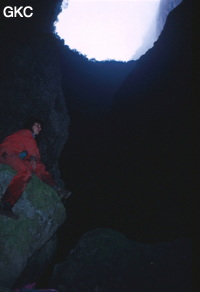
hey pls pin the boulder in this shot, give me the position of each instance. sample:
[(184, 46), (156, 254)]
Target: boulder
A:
[(41, 213), (105, 260)]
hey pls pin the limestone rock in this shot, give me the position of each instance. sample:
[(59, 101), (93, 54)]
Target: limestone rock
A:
[(41, 213)]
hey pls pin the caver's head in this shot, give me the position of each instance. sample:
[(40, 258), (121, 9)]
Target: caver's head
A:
[(36, 128), (35, 125)]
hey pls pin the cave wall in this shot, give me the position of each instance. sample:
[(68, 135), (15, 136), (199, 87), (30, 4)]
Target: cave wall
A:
[(31, 78), (156, 98), (165, 6), (153, 121)]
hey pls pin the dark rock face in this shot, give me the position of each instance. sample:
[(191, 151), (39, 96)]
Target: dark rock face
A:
[(164, 72), (153, 122), (165, 7), (28, 242), (156, 27), (105, 260), (39, 263), (97, 82)]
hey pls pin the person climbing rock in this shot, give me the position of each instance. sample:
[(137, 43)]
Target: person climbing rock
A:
[(20, 151)]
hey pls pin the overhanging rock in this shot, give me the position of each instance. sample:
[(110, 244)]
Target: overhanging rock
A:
[(41, 213)]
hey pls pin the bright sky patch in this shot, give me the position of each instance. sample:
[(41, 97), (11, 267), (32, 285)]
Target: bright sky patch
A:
[(107, 29)]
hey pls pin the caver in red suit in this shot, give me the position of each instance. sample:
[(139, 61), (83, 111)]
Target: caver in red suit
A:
[(19, 144)]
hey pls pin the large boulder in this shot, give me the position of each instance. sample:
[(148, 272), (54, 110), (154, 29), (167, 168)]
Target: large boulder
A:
[(41, 213), (105, 260)]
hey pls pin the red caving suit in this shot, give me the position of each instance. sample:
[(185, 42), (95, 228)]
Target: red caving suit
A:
[(11, 147)]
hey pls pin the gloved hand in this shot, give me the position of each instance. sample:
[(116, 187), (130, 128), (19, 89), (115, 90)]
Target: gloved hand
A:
[(33, 161), (23, 154)]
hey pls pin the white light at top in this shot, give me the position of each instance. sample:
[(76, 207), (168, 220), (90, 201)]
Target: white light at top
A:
[(107, 29)]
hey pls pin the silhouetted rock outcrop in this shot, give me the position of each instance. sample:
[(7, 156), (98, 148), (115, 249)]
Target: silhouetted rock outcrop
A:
[(105, 260), (90, 85), (153, 125), (165, 6), (163, 75), (28, 244)]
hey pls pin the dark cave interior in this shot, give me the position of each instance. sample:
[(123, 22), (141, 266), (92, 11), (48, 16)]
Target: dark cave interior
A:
[(127, 153)]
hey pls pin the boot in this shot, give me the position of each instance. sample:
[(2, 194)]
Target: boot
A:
[(6, 210)]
